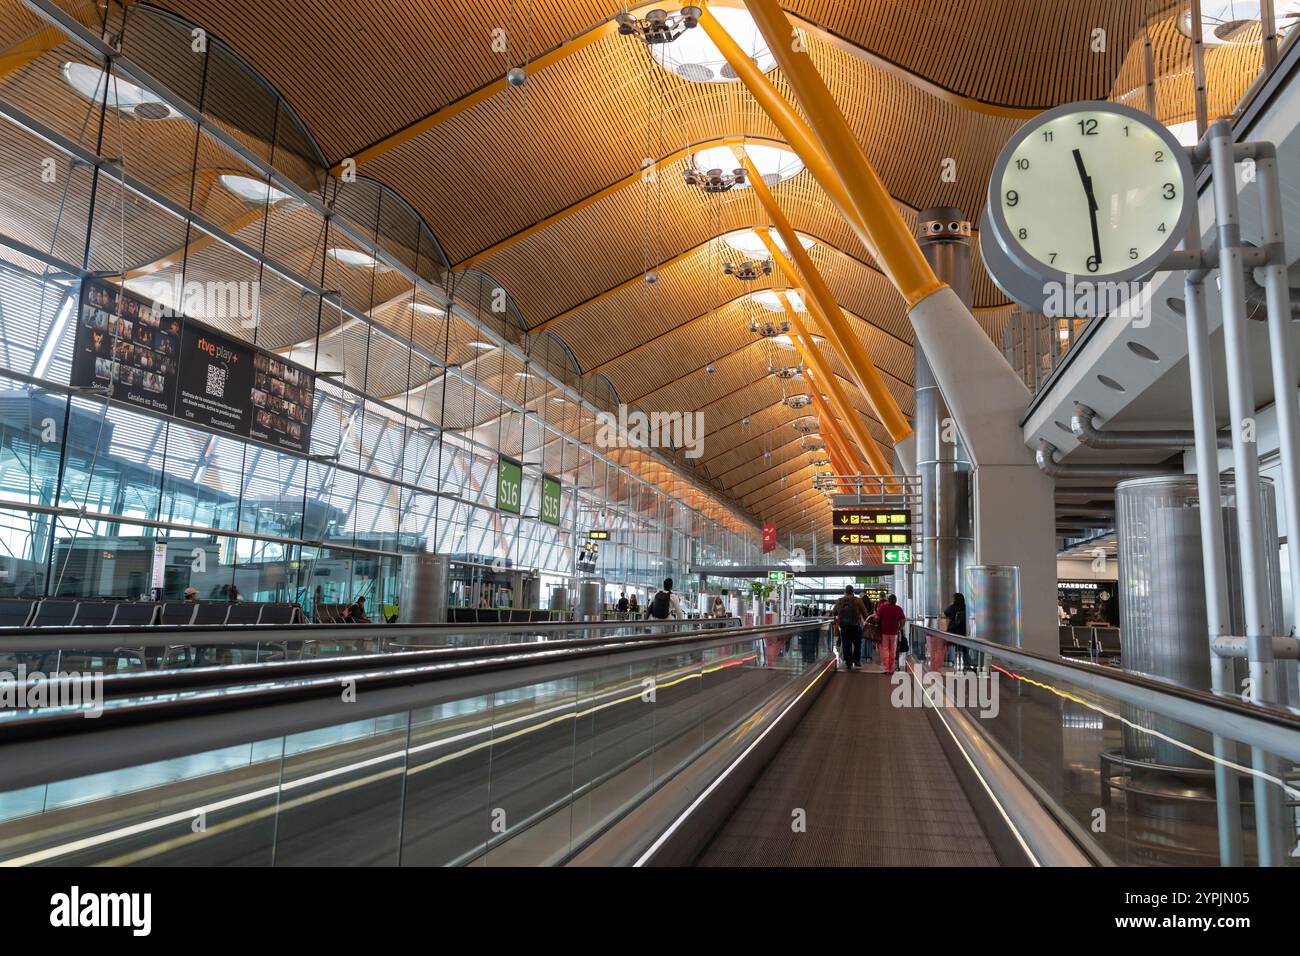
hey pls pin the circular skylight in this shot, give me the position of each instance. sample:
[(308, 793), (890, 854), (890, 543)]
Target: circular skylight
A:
[(123, 95), (252, 190), (785, 341), (747, 243), (354, 257), (774, 163), (693, 56), (1224, 22), (771, 300)]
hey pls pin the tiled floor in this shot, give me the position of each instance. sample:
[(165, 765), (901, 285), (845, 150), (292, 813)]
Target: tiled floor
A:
[(873, 785)]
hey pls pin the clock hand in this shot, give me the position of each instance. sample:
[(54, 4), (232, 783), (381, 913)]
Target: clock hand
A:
[(1092, 204)]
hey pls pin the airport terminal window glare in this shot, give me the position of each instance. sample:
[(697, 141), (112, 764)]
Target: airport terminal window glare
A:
[(418, 378)]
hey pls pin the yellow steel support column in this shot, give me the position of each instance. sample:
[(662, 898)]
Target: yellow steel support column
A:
[(792, 126), (838, 400), (895, 247), (830, 431), (821, 302)]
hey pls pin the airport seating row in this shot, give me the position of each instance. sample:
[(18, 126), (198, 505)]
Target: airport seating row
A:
[(89, 612), (1094, 642)]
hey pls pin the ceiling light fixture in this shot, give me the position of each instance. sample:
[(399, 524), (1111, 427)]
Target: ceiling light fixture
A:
[(691, 55), (785, 372), (747, 243), (748, 271), (482, 346), (774, 163)]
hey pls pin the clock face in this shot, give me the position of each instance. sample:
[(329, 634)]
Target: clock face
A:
[(1094, 190)]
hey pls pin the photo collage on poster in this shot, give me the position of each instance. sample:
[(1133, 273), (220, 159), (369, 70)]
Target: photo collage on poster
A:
[(144, 351), (282, 400), (126, 340)]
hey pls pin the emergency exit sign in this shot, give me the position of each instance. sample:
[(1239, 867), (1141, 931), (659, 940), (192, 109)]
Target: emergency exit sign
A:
[(898, 555), (777, 576)]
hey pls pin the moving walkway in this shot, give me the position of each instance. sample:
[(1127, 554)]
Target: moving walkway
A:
[(730, 746)]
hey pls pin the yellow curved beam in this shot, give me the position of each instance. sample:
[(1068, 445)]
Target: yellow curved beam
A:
[(818, 297), (831, 429), (839, 402), (896, 248)]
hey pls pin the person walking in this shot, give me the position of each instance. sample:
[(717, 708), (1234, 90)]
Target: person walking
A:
[(891, 618), (664, 604), (847, 617), (956, 615), (622, 605)]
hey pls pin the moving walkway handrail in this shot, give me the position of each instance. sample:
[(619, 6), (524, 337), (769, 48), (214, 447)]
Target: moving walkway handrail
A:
[(1277, 731), (188, 678), (172, 694), (109, 637)]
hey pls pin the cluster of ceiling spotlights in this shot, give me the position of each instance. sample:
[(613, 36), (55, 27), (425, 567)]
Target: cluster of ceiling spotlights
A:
[(797, 402), (659, 26), (785, 372), (769, 329), (714, 180), (749, 270)]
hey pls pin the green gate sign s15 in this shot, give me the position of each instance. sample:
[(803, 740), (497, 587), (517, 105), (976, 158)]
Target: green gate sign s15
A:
[(510, 481), (550, 500)]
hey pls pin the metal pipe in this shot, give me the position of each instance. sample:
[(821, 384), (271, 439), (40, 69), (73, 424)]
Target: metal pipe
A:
[(1045, 457), (1198, 70), (1081, 423), (1281, 350), (1245, 454), (1227, 788), (1268, 34), (1284, 648)]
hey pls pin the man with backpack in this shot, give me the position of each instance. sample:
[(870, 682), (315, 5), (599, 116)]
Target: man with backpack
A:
[(847, 617), (664, 604)]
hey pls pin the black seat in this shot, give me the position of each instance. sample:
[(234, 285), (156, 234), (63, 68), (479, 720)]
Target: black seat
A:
[(244, 614), (211, 612), (15, 612), (1108, 639), (177, 612), (94, 613), (53, 612), (279, 614), (135, 613)]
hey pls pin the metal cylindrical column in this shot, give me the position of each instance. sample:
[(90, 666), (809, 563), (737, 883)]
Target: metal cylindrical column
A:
[(425, 589), (947, 535)]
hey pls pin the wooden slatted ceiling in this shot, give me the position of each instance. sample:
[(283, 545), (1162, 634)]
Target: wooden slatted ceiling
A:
[(1041, 47), (412, 57), (593, 119)]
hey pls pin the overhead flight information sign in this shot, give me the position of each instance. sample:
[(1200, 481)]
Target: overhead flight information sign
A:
[(865, 536), (871, 517)]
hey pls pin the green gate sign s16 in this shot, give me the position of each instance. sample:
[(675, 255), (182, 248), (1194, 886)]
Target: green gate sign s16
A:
[(510, 482)]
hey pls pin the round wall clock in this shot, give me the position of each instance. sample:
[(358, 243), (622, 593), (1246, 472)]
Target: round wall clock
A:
[(1092, 190)]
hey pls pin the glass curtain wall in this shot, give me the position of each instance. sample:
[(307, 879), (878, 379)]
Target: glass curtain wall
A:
[(165, 167)]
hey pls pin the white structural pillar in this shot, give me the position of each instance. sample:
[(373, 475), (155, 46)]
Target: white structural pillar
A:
[(1015, 516)]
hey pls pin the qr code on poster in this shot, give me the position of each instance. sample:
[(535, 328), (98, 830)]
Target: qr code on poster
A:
[(216, 386)]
